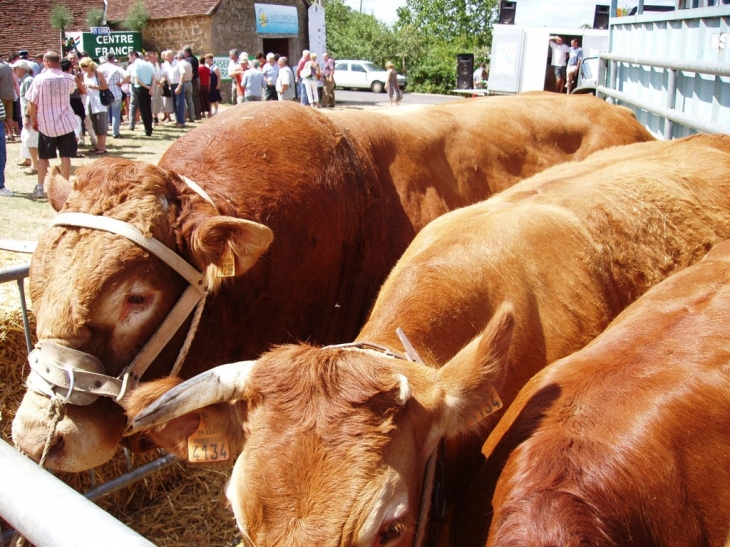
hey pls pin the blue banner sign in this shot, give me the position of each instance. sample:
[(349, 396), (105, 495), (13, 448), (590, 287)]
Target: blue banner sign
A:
[(275, 19)]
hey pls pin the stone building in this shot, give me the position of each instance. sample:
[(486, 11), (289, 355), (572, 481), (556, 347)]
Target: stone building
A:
[(217, 26), (209, 26)]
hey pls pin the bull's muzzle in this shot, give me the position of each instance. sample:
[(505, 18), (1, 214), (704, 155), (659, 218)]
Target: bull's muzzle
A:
[(77, 377)]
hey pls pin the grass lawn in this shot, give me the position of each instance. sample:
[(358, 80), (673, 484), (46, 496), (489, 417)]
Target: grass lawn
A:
[(23, 218)]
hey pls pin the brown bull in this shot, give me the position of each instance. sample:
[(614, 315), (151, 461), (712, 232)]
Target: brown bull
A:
[(626, 442), (335, 440), (343, 195)]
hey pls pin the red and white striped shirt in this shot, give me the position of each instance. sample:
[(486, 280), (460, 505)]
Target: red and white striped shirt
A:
[(51, 93)]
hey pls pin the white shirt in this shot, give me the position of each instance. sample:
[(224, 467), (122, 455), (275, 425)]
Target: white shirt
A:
[(171, 72), (185, 69)]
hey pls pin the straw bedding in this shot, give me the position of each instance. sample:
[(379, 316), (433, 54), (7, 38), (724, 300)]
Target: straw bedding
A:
[(180, 506)]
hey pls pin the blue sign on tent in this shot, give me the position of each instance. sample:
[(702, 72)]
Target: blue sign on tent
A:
[(274, 19)]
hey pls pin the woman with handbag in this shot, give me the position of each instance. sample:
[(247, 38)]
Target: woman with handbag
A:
[(312, 74), (95, 83)]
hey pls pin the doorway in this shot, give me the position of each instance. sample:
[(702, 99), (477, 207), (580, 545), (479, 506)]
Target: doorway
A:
[(279, 46)]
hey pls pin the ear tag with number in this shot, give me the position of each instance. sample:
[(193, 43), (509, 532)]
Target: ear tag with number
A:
[(491, 404), (227, 267), (207, 444)]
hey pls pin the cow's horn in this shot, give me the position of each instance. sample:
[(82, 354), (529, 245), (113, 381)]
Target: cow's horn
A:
[(221, 384)]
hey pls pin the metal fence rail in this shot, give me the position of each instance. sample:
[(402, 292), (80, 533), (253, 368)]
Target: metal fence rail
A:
[(51, 514), (18, 274)]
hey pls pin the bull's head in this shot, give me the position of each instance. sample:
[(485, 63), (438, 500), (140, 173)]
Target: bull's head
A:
[(333, 441), (99, 295)]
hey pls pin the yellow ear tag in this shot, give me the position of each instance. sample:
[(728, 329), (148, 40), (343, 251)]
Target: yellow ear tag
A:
[(207, 444), (227, 267), (491, 404)]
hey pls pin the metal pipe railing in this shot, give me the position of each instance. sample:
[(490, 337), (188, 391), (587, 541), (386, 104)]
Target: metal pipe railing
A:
[(18, 274), (670, 114), (701, 67), (49, 513)]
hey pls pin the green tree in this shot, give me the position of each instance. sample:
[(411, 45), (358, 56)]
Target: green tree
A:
[(436, 31), (95, 17), (354, 35), (137, 17), (61, 19), (469, 20)]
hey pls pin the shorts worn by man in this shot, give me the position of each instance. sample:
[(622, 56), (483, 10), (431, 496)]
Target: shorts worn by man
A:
[(49, 106), (559, 61), (575, 58)]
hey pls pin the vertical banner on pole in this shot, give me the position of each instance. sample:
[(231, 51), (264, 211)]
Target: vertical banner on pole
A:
[(317, 31)]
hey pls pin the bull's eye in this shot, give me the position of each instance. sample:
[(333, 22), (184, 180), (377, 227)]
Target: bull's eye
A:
[(390, 532), (136, 299)]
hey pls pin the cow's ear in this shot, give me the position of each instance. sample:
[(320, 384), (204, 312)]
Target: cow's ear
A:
[(468, 381), (229, 246), (58, 189), (223, 420)]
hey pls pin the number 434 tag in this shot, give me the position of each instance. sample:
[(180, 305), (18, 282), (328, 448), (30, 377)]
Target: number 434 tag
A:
[(207, 444)]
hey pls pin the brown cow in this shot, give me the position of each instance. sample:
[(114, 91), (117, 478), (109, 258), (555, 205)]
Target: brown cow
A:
[(626, 442), (335, 440), (343, 194)]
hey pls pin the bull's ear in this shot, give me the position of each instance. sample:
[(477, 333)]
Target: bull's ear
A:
[(57, 188), (468, 381), (230, 246)]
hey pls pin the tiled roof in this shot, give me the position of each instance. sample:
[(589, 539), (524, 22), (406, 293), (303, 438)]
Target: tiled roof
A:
[(162, 9), (27, 25)]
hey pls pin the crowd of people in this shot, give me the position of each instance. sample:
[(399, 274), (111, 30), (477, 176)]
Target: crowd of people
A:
[(53, 104), (270, 78)]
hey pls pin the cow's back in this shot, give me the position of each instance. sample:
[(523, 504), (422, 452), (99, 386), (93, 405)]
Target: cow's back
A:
[(569, 248), (352, 188), (625, 442)]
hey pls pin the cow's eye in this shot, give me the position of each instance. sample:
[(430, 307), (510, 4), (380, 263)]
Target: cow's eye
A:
[(389, 532), (136, 299)]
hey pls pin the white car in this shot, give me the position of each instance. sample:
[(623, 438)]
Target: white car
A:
[(363, 75)]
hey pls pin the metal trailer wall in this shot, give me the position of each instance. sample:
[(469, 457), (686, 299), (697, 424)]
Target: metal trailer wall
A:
[(520, 55), (697, 35)]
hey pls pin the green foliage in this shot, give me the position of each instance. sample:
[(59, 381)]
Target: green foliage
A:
[(61, 17), (449, 20), (424, 43), (354, 35), (137, 17), (95, 17)]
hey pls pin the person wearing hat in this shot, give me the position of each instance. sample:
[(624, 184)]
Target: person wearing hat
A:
[(28, 135), (35, 68)]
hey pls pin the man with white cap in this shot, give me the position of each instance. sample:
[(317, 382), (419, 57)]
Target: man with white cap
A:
[(28, 135)]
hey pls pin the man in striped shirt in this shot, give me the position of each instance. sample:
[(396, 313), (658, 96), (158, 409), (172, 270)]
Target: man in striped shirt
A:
[(49, 106)]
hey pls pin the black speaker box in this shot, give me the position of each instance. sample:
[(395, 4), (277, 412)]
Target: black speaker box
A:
[(465, 71), (600, 17), (507, 11)]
